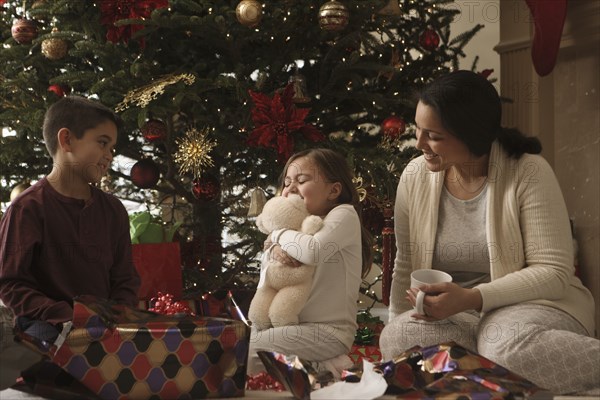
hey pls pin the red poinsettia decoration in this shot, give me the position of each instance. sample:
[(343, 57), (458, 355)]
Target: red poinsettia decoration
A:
[(115, 10), (277, 119)]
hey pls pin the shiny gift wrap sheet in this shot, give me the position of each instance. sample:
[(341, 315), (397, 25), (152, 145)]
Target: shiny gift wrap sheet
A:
[(449, 371)]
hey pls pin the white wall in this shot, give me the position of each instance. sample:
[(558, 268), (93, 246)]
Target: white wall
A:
[(487, 13)]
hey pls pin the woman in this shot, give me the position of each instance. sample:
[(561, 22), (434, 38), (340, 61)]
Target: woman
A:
[(483, 206)]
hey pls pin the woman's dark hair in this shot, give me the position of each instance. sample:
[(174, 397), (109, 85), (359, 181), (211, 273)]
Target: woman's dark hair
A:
[(469, 108), (77, 114), (335, 168)]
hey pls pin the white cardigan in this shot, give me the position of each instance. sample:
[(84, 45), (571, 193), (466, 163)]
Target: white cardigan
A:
[(527, 229)]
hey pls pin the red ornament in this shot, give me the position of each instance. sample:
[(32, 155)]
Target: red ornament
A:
[(277, 119), (206, 188), (59, 90), (393, 126), (145, 173), (154, 130), (115, 10), (24, 30), (429, 39)]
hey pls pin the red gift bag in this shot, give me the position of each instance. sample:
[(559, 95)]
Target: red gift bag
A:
[(159, 267)]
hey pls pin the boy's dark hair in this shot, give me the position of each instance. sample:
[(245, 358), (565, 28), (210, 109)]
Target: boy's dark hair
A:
[(469, 107), (77, 114), (335, 168)]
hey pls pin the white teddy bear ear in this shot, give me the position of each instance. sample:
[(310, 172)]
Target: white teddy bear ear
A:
[(260, 225)]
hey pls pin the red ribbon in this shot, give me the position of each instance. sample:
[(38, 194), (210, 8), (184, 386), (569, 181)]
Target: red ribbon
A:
[(388, 254), (164, 304)]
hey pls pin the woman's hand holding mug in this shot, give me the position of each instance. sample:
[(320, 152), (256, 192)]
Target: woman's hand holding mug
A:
[(422, 277)]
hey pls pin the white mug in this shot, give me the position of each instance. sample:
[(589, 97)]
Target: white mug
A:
[(423, 277)]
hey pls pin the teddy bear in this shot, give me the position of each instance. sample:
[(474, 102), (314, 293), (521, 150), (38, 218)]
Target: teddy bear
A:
[(285, 289)]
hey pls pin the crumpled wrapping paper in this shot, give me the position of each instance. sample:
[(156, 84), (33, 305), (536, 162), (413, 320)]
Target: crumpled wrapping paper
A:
[(450, 371), (443, 371), (305, 382)]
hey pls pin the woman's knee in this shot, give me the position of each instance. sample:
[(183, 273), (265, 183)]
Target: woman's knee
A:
[(404, 332), (397, 335), (499, 338)]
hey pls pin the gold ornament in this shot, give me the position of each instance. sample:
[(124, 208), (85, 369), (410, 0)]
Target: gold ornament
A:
[(257, 202), (144, 95), (391, 8), (17, 190), (35, 10), (193, 154), (333, 16), (362, 192), (300, 88), (249, 12), (54, 48), (395, 63)]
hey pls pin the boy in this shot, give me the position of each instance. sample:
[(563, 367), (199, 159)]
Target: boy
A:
[(63, 237)]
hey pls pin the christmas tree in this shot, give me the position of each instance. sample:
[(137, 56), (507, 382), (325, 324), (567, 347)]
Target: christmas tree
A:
[(215, 95)]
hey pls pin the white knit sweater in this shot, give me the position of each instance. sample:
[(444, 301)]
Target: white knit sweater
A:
[(336, 250), (528, 236)]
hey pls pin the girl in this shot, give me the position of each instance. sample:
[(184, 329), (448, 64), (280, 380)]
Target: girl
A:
[(341, 251)]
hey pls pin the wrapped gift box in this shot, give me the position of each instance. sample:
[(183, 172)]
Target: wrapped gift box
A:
[(369, 353), (120, 352)]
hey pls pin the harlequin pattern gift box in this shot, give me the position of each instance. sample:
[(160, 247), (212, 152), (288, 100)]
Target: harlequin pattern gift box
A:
[(119, 352)]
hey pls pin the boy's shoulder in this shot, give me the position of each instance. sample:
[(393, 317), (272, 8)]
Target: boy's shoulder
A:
[(32, 196)]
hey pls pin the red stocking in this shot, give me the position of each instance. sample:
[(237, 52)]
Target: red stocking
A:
[(549, 18)]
